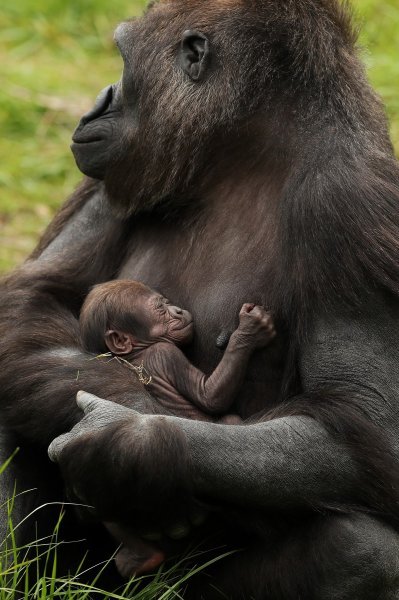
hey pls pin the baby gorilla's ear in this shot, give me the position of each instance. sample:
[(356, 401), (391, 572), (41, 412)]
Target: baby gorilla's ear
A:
[(119, 342)]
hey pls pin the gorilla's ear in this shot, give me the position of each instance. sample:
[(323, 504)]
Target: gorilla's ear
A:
[(194, 54)]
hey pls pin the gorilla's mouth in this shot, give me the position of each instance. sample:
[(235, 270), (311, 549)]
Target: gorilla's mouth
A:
[(93, 136), (81, 139)]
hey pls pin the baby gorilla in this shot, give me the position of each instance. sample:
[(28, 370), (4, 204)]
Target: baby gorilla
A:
[(139, 325), (132, 321)]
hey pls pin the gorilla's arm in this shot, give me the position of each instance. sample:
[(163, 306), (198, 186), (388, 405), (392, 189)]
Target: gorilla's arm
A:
[(334, 444), (327, 449), (41, 366)]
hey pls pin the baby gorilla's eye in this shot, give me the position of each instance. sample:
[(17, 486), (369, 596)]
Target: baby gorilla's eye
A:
[(159, 302)]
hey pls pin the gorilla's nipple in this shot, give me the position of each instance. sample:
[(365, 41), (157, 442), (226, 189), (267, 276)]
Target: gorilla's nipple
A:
[(223, 339)]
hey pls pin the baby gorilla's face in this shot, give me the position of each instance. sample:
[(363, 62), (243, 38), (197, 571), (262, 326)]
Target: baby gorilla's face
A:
[(167, 322)]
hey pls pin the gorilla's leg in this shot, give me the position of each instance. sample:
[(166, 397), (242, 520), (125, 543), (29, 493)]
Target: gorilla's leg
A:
[(359, 559), (29, 481), (356, 557), (351, 557), (37, 492)]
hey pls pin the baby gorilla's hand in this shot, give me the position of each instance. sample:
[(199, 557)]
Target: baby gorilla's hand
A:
[(256, 326)]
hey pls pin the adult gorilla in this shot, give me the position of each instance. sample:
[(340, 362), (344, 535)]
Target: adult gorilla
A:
[(242, 157)]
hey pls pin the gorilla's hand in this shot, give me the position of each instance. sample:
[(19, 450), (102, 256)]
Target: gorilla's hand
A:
[(130, 467), (98, 414)]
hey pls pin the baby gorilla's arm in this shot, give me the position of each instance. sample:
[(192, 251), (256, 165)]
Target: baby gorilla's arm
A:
[(215, 393)]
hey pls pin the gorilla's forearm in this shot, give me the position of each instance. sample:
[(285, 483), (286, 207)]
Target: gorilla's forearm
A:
[(330, 457), (288, 463), (283, 463), (279, 465)]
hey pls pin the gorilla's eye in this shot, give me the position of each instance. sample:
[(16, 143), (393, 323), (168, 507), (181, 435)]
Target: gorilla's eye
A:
[(194, 54)]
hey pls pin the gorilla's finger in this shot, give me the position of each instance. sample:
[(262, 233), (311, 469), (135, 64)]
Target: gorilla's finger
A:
[(89, 402), (57, 445), (99, 409)]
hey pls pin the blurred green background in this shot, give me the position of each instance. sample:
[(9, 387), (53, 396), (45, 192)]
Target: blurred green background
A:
[(56, 55)]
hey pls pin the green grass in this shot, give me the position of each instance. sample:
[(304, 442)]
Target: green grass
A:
[(55, 56)]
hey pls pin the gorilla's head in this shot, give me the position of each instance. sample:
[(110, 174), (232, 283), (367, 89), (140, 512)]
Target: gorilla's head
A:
[(199, 80)]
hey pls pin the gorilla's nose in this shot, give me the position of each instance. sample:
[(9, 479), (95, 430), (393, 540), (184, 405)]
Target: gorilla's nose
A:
[(101, 104)]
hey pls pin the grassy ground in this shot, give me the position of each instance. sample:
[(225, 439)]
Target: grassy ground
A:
[(54, 58)]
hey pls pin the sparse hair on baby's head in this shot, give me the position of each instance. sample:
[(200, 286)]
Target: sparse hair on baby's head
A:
[(108, 306)]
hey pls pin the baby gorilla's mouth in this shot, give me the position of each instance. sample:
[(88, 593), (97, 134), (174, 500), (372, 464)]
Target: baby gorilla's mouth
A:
[(183, 333), (185, 324)]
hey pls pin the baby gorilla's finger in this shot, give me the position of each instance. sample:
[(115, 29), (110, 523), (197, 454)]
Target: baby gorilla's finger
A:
[(257, 311), (247, 307)]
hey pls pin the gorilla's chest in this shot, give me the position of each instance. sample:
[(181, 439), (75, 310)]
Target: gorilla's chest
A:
[(211, 272)]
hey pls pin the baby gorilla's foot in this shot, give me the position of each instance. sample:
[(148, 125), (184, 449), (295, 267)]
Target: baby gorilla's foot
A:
[(136, 556), (130, 564)]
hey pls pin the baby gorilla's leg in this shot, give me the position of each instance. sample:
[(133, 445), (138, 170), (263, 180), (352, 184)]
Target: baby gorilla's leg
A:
[(136, 556)]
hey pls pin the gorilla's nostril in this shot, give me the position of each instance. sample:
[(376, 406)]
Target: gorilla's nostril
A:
[(102, 102)]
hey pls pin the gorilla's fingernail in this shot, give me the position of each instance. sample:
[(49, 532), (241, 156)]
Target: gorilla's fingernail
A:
[(56, 447), (85, 400), (80, 397), (52, 452), (178, 532)]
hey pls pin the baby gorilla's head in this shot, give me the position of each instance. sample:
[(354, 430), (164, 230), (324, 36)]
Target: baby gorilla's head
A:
[(119, 316)]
